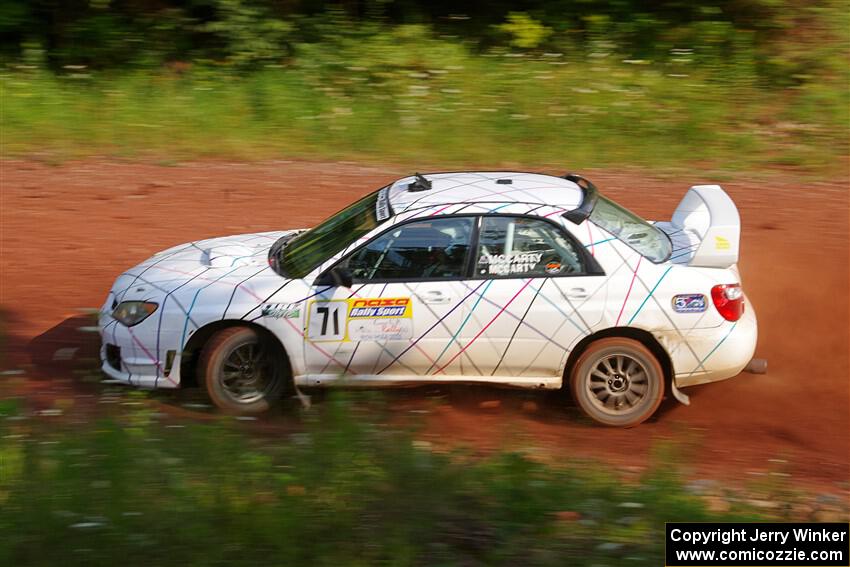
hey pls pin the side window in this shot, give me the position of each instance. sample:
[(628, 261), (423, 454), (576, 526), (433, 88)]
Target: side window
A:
[(523, 247), (423, 249)]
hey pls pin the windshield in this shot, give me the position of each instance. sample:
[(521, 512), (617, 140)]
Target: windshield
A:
[(631, 229), (309, 249)]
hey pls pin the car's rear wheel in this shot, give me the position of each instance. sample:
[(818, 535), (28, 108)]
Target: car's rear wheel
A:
[(617, 381), (242, 371)]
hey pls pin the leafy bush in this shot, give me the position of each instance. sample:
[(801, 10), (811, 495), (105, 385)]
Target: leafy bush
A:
[(326, 86), (525, 32), (250, 35)]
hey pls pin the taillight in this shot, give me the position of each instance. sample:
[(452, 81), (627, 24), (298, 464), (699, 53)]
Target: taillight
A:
[(729, 300)]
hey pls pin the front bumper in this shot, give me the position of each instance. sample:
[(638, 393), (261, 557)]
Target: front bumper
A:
[(137, 356)]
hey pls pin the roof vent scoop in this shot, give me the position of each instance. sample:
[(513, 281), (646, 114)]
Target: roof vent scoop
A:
[(419, 184)]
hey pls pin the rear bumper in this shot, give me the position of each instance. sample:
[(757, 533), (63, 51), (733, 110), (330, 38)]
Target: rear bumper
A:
[(719, 354)]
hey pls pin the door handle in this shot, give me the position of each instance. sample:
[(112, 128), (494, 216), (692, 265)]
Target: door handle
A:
[(434, 296), (577, 293)]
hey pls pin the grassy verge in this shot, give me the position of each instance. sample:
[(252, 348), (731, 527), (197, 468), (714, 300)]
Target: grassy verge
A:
[(404, 96), (345, 490)]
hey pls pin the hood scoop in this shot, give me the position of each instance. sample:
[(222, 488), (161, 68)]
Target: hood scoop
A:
[(233, 255), (230, 256), (231, 251)]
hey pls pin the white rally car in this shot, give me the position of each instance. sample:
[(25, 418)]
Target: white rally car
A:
[(518, 279)]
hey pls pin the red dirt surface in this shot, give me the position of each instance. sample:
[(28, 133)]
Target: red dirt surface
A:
[(68, 230)]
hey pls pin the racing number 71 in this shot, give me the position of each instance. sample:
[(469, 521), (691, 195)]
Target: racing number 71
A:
[(325, 311), (327, 320)]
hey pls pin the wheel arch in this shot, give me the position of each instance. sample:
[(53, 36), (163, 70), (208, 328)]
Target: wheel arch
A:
[(192, 351), (642, 336)]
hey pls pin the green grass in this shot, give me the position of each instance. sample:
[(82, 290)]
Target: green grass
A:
[(417, 99), (345, 489)]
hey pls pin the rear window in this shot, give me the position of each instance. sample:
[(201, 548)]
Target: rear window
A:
[(631, 229)]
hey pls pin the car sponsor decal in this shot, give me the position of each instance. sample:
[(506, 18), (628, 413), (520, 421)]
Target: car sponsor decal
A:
[(721, 243), (553, 268), (506, 264), (282, 310), (360, 319), (382, 205), (379, 307), (689, 303)]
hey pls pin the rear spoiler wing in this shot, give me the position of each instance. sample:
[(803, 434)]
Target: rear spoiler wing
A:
[(709, 214)]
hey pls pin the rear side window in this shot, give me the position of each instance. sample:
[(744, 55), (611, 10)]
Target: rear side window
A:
[(631, 229), (523, 247), (431, 249)]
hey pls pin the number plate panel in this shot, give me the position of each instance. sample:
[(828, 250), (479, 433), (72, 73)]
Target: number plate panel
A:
[(360, 319)]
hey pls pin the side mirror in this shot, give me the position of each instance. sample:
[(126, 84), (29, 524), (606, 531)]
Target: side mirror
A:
[(338, 276)]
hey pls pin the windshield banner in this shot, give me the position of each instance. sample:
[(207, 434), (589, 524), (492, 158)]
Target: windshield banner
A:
[(382, 205)]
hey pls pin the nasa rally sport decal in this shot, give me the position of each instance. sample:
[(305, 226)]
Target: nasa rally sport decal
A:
[(360, 319), (380, 319), (689, 303)]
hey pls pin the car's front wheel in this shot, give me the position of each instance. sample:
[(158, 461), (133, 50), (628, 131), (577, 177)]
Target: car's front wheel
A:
[(617, 381), (241, 371)]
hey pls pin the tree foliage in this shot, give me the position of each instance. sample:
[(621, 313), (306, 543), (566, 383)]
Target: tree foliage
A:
[(783, 37)]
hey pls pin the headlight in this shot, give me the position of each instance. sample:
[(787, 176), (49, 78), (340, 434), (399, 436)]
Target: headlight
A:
[(133, 312)]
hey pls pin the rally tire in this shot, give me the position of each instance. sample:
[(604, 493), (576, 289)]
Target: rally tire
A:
[(242, 371), (617, 382)]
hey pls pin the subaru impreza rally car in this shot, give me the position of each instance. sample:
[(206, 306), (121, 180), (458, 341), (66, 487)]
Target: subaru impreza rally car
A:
[(517, 279)]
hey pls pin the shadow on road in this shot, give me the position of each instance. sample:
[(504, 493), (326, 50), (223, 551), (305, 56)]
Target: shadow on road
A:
[(71, 345)]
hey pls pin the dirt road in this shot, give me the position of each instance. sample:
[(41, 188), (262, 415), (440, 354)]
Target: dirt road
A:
[(68, 230)]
